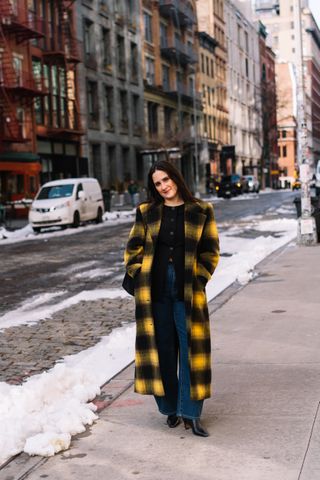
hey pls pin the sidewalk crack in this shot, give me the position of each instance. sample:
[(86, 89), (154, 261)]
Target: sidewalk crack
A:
[(309, 441)]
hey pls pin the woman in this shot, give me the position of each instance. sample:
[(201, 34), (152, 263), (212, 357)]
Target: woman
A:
[(172, 251)]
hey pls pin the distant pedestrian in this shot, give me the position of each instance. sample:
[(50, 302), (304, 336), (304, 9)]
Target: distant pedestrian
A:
[(172, 251), (132, 189)]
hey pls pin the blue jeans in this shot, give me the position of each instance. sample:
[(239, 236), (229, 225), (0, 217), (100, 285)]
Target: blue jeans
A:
[(171, 336)]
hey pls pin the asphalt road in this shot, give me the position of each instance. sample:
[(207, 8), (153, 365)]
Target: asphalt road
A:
[(65, 263)]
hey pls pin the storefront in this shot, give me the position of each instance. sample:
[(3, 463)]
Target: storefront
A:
[(19, 176)]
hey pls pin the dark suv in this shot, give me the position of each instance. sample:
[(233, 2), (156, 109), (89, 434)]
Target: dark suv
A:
[(230, 185)]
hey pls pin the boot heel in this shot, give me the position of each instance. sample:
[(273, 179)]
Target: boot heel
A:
[(197, 428), (187, 424)]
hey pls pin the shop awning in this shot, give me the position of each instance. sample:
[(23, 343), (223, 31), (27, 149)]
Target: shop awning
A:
[(22, 157)]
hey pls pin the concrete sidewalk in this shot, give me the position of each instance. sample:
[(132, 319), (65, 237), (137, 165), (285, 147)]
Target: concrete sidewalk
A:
[(263, 417)]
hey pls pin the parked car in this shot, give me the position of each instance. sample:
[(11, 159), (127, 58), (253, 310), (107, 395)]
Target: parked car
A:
[(67, 202), (252, 183), (296, 185), (230, 185)]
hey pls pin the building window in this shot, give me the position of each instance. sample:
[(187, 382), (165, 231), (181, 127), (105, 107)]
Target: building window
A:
[(247, 67), (191, 86), (152, 118), (134, 62), (106, 49), (150, 71), (212, 69), (37, 72), (163, 35), (96, 161), (21, 121), (17, 65), (108, 108), (93, 104), (123, 110), (205, 124), (284, 133), (167, 120), (207, 66), (284, 151), (89, 43), (121, 56), (147, 27), (246, 41), (165, 77), (136, 111), (202, 63)]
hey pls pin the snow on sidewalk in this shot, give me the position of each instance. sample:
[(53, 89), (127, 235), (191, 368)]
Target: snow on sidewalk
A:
[(40, 416)]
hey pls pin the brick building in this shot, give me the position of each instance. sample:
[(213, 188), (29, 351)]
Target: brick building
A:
[(213, 79), (172, 103), (269, 171), (40, 123)]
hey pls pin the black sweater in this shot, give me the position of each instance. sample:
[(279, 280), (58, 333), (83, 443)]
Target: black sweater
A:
[(170, 245)]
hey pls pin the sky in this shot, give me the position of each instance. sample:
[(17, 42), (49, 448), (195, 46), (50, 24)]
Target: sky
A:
[(315, 8)]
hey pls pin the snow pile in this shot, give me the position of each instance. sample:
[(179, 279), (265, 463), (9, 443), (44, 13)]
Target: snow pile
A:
[(24, 232), (247, 253), (47, 444), (27, 233), (40, 416)]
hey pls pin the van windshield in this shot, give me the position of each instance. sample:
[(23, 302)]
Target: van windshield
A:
[(55, 191)]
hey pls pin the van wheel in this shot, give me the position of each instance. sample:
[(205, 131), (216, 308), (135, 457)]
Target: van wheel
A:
[(36, 229), (99, 215), (76, 219)]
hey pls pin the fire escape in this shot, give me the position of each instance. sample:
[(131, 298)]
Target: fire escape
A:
[(64, 51), (17, 22)]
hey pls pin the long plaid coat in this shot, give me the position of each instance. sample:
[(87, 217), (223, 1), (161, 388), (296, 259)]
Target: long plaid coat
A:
[(201, 258)]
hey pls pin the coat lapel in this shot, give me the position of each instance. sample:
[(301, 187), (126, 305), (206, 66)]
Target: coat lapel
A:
[(154, 216), (194, 222)]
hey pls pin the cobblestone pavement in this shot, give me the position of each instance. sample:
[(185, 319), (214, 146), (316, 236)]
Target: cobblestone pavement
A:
[(28, 350)]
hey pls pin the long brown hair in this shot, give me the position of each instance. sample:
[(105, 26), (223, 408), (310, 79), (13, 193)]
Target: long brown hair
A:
[(175, 175)]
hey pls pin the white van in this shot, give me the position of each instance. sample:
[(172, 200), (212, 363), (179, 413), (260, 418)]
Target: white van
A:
[(67, 202)]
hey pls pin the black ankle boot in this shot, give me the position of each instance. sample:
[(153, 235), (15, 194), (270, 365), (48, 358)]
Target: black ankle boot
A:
[(173, 421), (197, 428)]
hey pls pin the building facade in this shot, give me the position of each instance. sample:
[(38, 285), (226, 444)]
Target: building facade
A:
[(279, 18), (172, 105), (19, 163), (244, 92), (112, 89), (269, 171), (40, 123), (213, 80), (286, 120)]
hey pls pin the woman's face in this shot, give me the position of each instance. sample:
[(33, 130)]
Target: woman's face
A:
[(165, 186)]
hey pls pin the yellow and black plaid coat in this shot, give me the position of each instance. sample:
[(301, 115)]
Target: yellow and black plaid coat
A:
[(201, 258)]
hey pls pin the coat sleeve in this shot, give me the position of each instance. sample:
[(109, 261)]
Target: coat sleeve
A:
[(208, 248), (134, 251)]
